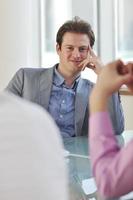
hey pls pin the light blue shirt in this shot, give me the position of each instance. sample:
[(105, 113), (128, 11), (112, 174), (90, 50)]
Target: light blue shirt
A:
[(62, 105)]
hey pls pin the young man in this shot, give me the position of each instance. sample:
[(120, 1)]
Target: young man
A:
[(32, 165), (60, 89), (112, 165)]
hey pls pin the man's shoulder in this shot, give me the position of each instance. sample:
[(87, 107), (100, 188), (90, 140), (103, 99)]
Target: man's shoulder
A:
[(31, 73), (35, 70)]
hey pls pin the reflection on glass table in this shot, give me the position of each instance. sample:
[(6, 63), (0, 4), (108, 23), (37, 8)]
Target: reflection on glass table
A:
[(79, 166), (81, 183)]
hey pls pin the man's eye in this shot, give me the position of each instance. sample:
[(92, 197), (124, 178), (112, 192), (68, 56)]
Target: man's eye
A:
[(82, 49), (69, 48)]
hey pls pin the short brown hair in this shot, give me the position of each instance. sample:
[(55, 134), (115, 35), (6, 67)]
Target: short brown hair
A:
[(76, 25)]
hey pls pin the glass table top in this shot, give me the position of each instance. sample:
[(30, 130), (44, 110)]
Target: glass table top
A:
[(81, 182), (79, 167)]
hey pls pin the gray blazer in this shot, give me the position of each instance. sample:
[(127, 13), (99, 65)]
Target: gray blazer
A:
[(35, 84)]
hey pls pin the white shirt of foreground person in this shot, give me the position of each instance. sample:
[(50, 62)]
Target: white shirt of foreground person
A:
[(32, 165)]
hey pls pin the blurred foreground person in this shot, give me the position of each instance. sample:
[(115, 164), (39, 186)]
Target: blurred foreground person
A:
[(31, 154), (112, 165)]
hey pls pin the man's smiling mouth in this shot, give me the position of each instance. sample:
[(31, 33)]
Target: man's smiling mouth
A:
[(76, 61)]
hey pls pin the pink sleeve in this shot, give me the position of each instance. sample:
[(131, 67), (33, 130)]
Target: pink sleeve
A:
[(112, 166)]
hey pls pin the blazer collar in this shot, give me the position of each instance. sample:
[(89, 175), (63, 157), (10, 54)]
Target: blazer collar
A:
[(81, 103), (46, 81)]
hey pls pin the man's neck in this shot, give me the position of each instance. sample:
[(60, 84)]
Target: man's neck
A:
[(68, 77)]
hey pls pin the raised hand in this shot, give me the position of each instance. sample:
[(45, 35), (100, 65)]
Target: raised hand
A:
[(93, 62), (114, 75), (110, 79)]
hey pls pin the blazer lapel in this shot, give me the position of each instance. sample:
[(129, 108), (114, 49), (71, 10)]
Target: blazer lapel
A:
[(46, 79), (81, 103)]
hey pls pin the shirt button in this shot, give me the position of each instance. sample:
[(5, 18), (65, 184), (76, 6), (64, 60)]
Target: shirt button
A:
[(63, 101), (61, 116)]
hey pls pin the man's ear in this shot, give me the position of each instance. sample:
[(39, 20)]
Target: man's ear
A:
[(57, 48)]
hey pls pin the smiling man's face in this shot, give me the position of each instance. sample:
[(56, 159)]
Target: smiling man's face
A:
[(74, 49)]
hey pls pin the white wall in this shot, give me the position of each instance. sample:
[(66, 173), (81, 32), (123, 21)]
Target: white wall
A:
[(19, 37)]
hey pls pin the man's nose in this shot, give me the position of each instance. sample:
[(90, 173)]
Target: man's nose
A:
[(76, 53)]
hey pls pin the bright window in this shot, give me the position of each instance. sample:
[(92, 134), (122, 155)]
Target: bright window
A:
[(124, 27)]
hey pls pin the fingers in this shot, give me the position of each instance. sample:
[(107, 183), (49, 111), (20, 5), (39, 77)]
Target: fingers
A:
[(114, 75), (92, 59), (92, 53), (130, 67), (88, 62), (124, 71), (121, 68)]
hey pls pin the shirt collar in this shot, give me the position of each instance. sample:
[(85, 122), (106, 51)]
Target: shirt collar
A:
[(59, 80)]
